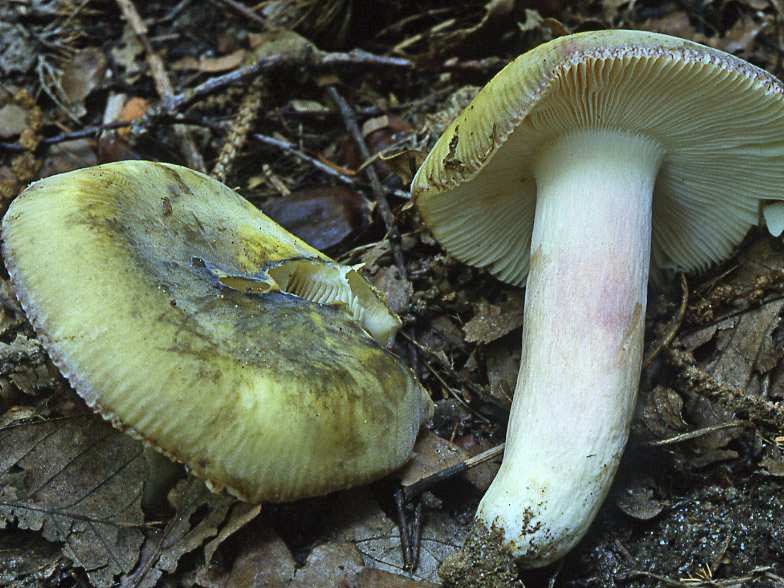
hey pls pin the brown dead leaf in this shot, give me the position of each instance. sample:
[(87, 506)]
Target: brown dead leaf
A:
[(77, 481), (503, 364), (491, 321), (483, 474), (12, 120), (323, 216), (241, 514), (357, 518), (397, 289), (134, 108), (330, 564), (200, 515), (710, 448), (741, 343), (264, 560), (741, 38), (68, 156), (737, 362), (675, 23), (432, 454), (82, 75), (661, 412)]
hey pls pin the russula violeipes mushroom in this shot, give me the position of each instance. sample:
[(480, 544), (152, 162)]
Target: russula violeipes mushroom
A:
[(187, 318), (579, 165)]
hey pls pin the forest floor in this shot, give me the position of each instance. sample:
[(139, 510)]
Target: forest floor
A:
[(699, 498)]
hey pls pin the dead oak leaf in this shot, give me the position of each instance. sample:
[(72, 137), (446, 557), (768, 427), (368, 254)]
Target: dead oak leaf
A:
[(743, 346), (357, 518), (202, 517), (78, 481)]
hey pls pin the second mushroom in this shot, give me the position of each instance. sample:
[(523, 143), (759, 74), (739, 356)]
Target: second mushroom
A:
[(579, 167)]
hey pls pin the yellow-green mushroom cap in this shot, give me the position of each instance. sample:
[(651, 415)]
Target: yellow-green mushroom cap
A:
[(716, 117), (183, 315)]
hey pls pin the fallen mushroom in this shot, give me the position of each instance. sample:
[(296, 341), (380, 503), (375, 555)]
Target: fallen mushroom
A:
[(579, 160), (190, 320)]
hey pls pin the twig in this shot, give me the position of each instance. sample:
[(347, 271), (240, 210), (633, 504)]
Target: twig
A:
[(378, 190), (245, 12), (697, 433), (173, 103), (417, 535), (70, 136), (720, 556), (672, 328), (427, 482), (161, 79), (733, 582), (452, 372), (317, 60), (292, 150), (393, 234), (402, 524)]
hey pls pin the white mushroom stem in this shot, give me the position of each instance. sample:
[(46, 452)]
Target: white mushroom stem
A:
[(582, 341)]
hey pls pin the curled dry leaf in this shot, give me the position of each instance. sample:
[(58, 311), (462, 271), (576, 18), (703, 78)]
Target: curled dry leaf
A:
[(78, 482), (200, 516), (661, 411), (82, 75), (493, 321), (432, 454), (395, 287)]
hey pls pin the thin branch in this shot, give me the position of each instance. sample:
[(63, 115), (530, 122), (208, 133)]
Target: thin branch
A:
[(247, 13), (673, 327), (316, 60), (161, 79), (292, 150)]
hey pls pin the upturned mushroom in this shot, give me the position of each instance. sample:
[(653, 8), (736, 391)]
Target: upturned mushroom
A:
[(579, 166), (187, 318)]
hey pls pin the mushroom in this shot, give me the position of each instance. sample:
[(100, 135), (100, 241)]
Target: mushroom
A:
[(187, 318), (581, 164)]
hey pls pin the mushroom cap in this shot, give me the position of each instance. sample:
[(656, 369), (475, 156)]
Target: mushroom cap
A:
[(186, 317), (719, 120)]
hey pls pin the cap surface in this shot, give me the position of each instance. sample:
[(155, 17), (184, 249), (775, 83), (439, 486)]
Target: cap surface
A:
[(185, 316), (719, 120)]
